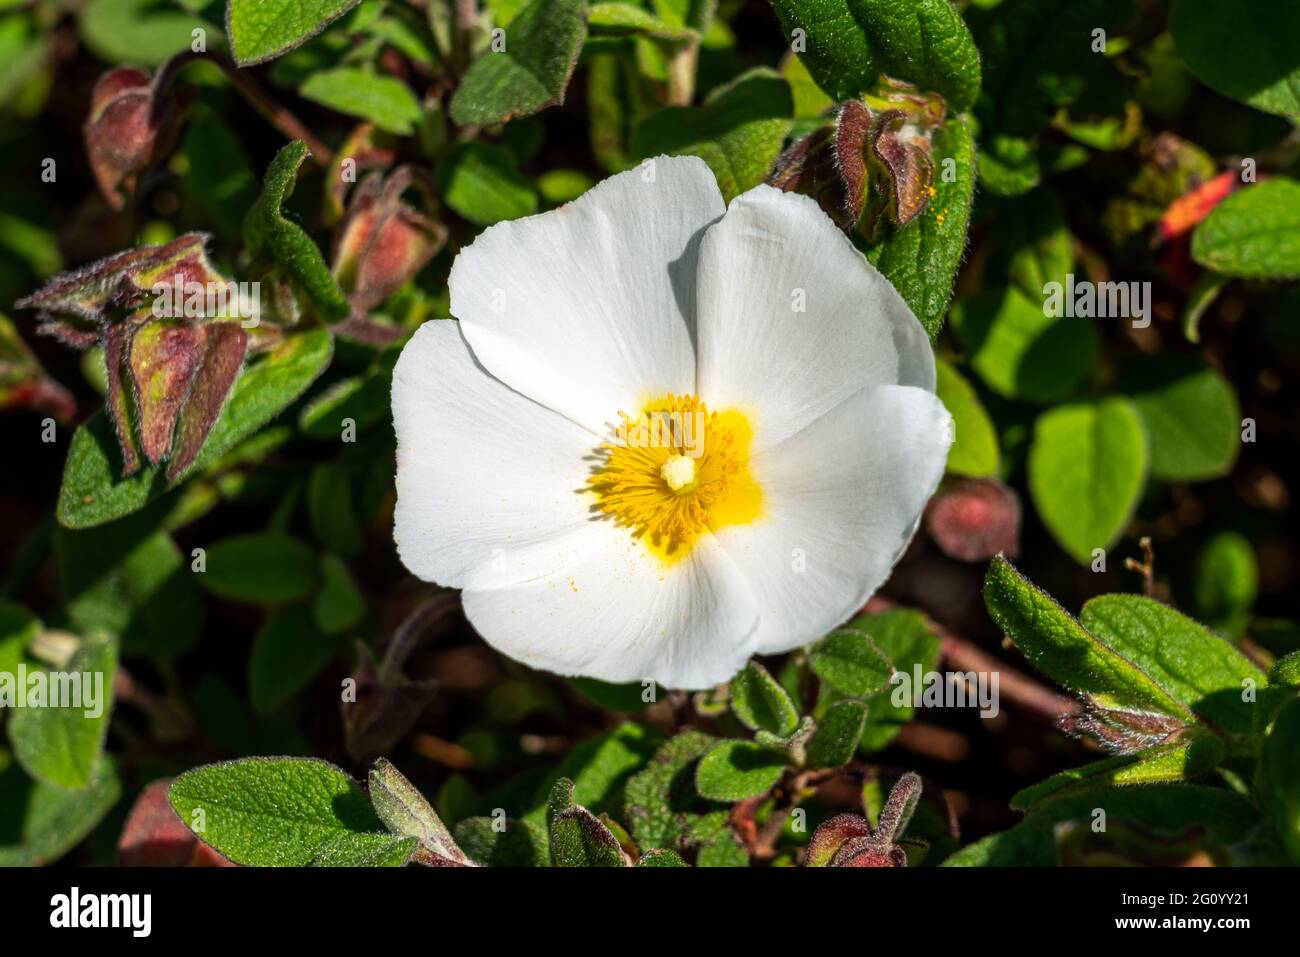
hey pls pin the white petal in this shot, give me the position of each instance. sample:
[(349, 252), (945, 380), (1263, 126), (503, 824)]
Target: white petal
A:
[(602, 606), (841, 500), (589, 309), (480, 469), (772, 253)]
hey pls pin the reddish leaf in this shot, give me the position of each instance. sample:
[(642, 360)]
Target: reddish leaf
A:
[(164, 356), (223, 355), (832, 835), (129, 127), (117, 341)]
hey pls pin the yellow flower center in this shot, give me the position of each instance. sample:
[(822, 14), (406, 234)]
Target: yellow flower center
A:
[(675, 471)]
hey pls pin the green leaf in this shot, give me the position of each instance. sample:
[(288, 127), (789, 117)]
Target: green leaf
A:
[(1191, 415), (836, 739), (18, 627), (1286, 673), (661, 857), (974, 449), (1166, 810), (332, 510), (849, 661), (1087, 469), (1060, 647), (264, 568), (140, 32), (627, 698), (260, 31), (922, 259), (1227, 581), (1177, 761), (1032, 242), (511, 844), (531, 73), (480, 182), (1254, 233), (851, 42), (577, 837), (383, 100), (907, 640), (93, 491), (599, 768), (738, 130), (62, 746), (628, 20), (761, 703), (735, 770), (272, 238), (1192, 664), (276, 812), (405, 812), (1019, 350), (338, 605), (365, 850), (39, 823), (1246, 51), (1277, 781), (289, 651)]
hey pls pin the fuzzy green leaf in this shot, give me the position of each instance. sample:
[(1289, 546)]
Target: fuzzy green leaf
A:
[(1286, 672), (277, 812), (1254, 233), (365, 850), (260, 31), (1177, 761), (908, 641), (1087, 470), (1191, 415), (851, 42), (62, 746), (40, 822), (1227, 582), (480, 182), (1198, 668), (93, 491), (735, 770), (849, 661), (272, 238), (738, 130), (836, 739), (542, 44), (761, 703), (1065, 651), (577, 837), (405, 812), (921, 260), (661, 857), (507, 844)]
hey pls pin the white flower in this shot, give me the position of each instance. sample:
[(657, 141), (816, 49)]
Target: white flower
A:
[(527, 476)]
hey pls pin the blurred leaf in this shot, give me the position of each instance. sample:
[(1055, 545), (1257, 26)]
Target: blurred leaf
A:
[(599, 768), (1019, 350), (1247, 52), (1193, 665), (92, 491), (1227, 582), (760, 703), (735, 770), (738, 130), (289, 651), (1277, 781), (836, 739), (1286, 673), (264, 568), (513, 844), (18, 627), (850, 662), (531, 73), (259, 31), (278, 812), (1191, 415), (338, 604), (1032, 242), (1254, 233), (1067, 652), (39, 823), (1169, 810), (921, 259), (974, 449), (140, 32), (1087, 469), (272, 238), (383, 100), (626, 698), (331, 509), (850, 42), (618, 19), (1176, 761), (62, 746), (480, 182), (219, 178)]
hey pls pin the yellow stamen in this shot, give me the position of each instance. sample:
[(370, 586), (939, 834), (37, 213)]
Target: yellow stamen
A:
[(676, 471)]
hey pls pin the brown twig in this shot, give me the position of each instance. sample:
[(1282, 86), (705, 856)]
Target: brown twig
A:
[(1015, 685), (1146, 568)]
